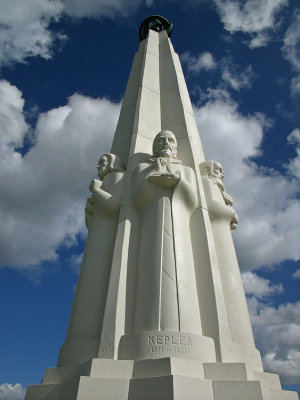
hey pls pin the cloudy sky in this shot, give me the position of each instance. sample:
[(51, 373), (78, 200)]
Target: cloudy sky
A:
[(64, 68)]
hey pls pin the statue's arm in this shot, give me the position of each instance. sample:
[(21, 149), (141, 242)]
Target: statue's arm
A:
[(220, 211), (106, 201), (187, 188), (89, 209), (162, 176), (217, 207), (139, 181)]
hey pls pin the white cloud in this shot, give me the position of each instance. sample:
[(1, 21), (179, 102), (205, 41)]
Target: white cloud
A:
[(277, 334), (237, 80), (197, 63), (12, 392), (291, 44), (100, 8), (254, 17), (291, 50), (249, 16), (43, 201), (24, 29), (295, 85), (232, 75), (13, 125), (294, 164), (261, 39), (265, 200), (259, 287), (75, 262), (287, 367), (296, 274), (25, 26)]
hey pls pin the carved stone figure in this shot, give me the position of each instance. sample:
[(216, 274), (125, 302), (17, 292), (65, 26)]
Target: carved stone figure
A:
[(165, 194), (223, 219), (102, 209), (214, 171), (106, 164)]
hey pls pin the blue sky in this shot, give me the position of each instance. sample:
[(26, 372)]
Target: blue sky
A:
[(64, 69)]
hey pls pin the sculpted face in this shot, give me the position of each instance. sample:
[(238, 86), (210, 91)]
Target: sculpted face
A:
[(103, 167), (213, 170), (165, 145), (217, 171)]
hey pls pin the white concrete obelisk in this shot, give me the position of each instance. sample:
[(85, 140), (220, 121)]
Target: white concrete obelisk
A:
[(159, 310)]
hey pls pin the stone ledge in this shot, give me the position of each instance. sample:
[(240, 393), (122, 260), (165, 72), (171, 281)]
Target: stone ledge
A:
[(157, 379)]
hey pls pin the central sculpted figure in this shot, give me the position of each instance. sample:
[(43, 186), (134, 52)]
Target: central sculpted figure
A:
[(165, 195)]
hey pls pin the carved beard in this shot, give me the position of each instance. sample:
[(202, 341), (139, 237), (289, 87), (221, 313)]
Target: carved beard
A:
[(220, 184), (165, 152), (218, 181), (102, 174)]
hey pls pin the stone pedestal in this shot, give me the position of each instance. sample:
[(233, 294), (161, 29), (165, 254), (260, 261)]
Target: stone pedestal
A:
[(158, 379)]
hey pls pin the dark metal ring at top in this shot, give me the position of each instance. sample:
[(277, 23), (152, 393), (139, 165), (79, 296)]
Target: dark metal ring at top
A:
[(156, 23)]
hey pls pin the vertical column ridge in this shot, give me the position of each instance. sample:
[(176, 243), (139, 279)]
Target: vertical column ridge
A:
[(139, 119)]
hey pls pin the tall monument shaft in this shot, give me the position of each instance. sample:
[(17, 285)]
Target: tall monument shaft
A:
[(159, 310)]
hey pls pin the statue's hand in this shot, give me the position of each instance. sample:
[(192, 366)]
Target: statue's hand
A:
[(165, 180), (234, 221), (95, 184), (90, 200), (159, 165)]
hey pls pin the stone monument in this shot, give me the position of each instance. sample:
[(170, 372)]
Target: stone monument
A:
[(159, 310)]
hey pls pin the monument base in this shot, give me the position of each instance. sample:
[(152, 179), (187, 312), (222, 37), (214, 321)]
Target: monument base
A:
[(157, 379)]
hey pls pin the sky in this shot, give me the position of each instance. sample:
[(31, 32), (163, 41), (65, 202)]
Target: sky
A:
[(64, 65)]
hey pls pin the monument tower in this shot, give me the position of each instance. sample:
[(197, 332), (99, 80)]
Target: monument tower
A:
[(159, 310)]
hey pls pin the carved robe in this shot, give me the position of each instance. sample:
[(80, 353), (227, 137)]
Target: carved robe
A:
[(89, 302), (166, 294), (221, 216)]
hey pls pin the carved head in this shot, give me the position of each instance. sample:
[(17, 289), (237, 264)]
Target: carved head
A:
[(107, 163), (213, 170), (165, 145)]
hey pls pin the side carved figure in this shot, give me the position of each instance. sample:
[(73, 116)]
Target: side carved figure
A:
[(107, 164), (220, 202), (101, 212), (224, 219)]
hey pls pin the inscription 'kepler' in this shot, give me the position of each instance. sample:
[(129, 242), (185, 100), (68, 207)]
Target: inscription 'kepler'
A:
[(169, 340)]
